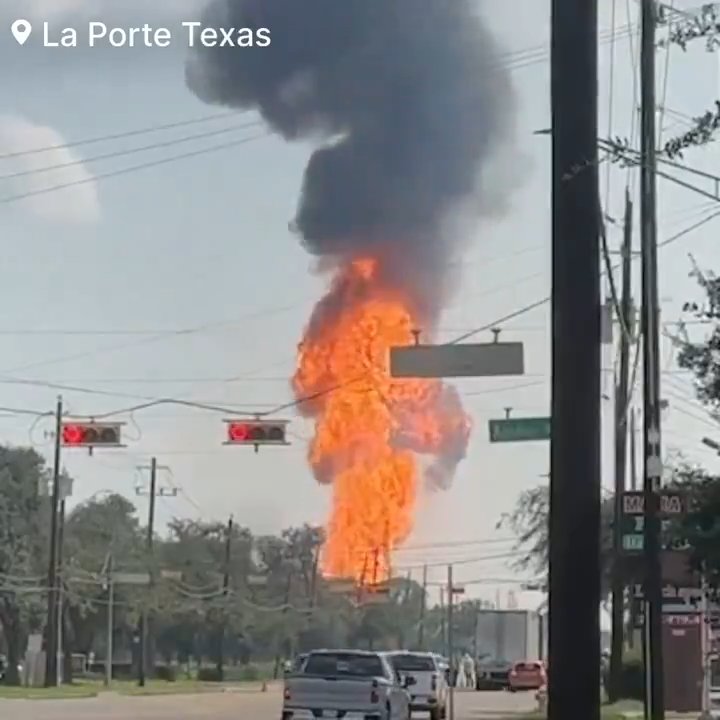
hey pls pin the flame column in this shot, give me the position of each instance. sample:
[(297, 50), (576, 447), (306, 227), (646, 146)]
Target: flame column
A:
[(574, 625)]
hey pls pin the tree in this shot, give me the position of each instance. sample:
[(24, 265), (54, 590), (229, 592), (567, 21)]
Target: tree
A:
[(699, 529), (22, 548), (529, 522), (95, 532)]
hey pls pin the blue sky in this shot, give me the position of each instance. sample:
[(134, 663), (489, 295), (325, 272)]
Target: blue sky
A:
[(203, 244)]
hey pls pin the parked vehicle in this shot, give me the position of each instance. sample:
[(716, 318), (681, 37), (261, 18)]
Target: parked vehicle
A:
[(493, 674), (429, 692), (346, 683), (529, 675)]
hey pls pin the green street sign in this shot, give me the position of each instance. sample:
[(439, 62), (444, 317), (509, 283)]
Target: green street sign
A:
[(633, 543), (519, 429)]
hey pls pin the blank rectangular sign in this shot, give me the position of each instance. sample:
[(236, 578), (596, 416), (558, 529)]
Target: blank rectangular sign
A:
[(443, 361)]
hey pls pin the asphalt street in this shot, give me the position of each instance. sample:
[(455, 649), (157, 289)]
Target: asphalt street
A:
[(227, 706)]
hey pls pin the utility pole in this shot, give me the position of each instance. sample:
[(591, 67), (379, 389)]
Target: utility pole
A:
[(110, 624), (574, 528), (654, 696), (423, 606), (226, 589), (443, 633), (476, 627), (633, 486), (145, 618), (286, 603), (60, 596), (51, 645), (621, 431), (451, 649), (633, 452)]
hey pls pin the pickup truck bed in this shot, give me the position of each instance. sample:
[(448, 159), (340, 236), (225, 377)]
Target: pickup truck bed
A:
[(323, 696), (347, 684)]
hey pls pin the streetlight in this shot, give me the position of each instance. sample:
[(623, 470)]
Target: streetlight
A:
[(711, 444)]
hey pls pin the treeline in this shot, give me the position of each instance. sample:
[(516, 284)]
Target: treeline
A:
[(219, 595)]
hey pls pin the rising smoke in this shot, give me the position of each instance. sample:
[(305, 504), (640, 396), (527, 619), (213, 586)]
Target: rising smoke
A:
[(407, 96)]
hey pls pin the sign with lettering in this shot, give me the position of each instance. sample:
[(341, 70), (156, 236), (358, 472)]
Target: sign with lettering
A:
[(671, 503)]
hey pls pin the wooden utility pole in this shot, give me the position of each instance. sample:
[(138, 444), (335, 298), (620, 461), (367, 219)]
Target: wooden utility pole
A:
[(621, 433), (423, 606), (574, 529), (145, 619), (654, 695), (226, 590), (51, 635)]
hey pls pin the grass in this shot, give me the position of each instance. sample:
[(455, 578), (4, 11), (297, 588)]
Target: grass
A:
[(90, 689), (65, 692), (161, 687)]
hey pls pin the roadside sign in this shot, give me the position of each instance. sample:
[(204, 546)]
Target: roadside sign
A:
[(519, 429), (462, 360), (672, 505), (256, 580)]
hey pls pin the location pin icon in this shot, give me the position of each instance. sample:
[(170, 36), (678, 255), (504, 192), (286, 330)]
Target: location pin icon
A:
[(21, 30)]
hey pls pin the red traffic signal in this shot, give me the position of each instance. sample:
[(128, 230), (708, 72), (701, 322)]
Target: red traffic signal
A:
[(91, 434), (256, 432)]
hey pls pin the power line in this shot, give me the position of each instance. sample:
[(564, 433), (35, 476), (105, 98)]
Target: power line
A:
[(118, 136), (130, 151), (131, 169)]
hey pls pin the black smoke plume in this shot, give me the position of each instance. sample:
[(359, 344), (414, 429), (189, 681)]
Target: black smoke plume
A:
[(407, 97)]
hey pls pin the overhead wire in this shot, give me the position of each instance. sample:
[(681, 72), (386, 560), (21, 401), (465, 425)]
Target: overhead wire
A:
[(129, 151), (119, 135), (131, 169)]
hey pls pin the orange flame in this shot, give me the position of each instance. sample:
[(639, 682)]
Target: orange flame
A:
[(369, 426)]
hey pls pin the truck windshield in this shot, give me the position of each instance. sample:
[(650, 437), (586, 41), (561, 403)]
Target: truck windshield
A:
[(344, 665), (412, 663)]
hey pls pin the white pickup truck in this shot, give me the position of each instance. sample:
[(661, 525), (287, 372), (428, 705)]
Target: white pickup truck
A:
[(346, 684)]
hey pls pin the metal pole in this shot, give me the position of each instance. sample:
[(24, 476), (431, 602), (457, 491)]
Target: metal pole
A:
[(51, 646), (451, 650), (110, 625), (574, 535), (655, 700), (621, 427), (145, 620)]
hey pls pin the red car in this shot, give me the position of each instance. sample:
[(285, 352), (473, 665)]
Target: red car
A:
[(528, 675)]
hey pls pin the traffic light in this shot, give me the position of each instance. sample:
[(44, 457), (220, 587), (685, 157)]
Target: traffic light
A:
[(91, 434), (256, 432)]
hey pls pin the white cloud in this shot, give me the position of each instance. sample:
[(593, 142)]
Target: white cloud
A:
[(77, 203)]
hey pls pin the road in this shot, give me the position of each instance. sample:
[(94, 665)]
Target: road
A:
[(227, 706)]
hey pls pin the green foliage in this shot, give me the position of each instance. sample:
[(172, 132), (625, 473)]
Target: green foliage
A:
[(165, 672), (632, 679), (22, 547), (208, 674), (529, 523), (198, 603)]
